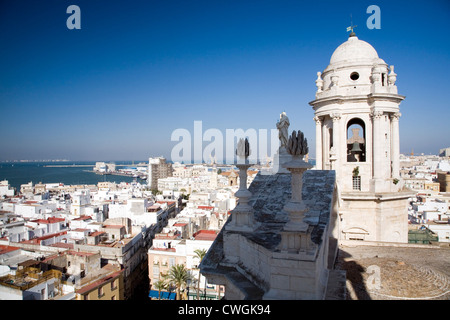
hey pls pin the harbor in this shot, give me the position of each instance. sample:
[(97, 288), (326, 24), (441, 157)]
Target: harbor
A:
[(135, 171), (84, 165), (69, 173)]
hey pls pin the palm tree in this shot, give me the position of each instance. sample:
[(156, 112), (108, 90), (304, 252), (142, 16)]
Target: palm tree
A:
[(178, 276), (200, 254), (160, 285)]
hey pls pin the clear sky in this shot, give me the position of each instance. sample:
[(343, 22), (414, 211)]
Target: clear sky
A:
[(137, 70)]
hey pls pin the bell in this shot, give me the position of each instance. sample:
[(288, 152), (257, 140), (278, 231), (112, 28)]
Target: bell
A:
[(356, 147)]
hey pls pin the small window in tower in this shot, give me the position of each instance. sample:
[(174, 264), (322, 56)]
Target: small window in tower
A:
[(356, 182), (354, 76)]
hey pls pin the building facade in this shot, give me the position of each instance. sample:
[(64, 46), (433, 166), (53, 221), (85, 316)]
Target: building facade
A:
[(357, 134), (444, 181), (158, 168)]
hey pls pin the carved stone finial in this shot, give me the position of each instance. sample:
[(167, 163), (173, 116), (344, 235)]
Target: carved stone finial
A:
[(319, 82), (243, 148), (297, 144), (392, 77)]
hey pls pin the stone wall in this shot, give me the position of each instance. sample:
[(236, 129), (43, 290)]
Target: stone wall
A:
[(251, 264), (371, 217)]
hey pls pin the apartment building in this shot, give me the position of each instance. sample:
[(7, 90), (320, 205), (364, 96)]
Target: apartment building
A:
[(158, 168)]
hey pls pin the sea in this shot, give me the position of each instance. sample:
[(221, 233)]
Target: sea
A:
[(67, 172)]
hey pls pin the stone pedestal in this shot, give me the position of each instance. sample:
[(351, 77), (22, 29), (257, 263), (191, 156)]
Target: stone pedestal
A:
[(279, 159), (294, 237), (242, 214)]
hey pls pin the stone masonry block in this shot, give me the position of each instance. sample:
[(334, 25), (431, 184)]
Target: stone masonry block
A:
[(279, 281), (307, 285)]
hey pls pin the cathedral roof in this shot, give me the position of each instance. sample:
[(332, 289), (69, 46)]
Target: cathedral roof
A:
[(270, 193), (354, 51)]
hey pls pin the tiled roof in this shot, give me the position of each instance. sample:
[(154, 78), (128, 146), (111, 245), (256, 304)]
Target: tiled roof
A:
[(7, 249), (94, 285), (205, 235)]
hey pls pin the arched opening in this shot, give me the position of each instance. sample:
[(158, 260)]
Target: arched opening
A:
[(355, 233), (356, 140)]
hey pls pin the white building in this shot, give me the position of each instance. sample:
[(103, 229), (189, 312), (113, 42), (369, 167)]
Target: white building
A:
[(102, 167), (170, 249), (429, 211), (5, 189), (172, 183), (357, 135), (34, 209), (139, 211), (80, 200), (445, 152), (442, 231)]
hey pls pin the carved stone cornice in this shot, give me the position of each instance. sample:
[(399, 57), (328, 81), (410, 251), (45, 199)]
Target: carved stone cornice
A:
[(336, 116), (376, 115), (395, 116), (318, 120)]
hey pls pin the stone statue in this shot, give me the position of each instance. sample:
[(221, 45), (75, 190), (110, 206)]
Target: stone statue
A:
[(282, 126)]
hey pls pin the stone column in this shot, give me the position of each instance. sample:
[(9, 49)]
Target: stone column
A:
[(336, 141), (242, 215), (319, 159), (294, 236), (296, 207), (395, 156), (333, 158), (325, 147), (377, 144)]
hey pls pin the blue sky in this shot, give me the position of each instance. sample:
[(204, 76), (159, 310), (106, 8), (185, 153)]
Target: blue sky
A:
[(138, 70)]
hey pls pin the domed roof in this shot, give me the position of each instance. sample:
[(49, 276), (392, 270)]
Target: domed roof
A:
[(354, 50)]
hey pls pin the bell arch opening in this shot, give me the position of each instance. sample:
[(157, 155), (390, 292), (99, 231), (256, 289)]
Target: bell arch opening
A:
[(356, 140)]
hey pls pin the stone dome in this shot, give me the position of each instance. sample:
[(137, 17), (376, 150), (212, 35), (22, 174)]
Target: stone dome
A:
[(354, 50)]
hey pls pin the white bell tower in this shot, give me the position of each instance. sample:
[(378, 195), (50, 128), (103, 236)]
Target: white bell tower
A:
[(357, 135)]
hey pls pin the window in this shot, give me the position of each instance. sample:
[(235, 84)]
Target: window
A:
[(100, 292), (354, 76), (114, 284), (356, 183), (155, 271)]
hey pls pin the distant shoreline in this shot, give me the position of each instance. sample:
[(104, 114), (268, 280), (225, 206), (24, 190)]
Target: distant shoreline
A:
[(68, 165)]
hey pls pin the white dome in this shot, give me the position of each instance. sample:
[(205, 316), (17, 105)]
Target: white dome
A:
[(354, 51)]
